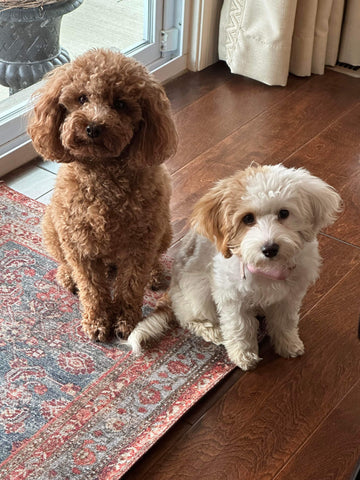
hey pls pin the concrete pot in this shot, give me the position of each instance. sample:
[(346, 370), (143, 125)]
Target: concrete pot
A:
[(29, 43)]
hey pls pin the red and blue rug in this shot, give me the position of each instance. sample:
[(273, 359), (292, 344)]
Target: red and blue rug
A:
[(70, 408)]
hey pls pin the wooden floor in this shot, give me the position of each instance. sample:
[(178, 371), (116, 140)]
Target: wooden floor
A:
[(295, 419)]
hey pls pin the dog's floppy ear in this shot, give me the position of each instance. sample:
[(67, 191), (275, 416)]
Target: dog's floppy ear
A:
[(323, 203), (209, 219), (156, 140), (48, 115)]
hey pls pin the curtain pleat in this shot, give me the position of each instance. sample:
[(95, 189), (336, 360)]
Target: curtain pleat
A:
[(334, 36), (303, 38), (267, 39), (350, 40), (255, 38), (321, 36)]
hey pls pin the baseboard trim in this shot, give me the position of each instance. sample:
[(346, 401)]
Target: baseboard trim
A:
[(17, 157)]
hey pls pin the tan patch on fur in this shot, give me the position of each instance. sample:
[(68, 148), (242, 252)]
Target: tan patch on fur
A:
[(218, 214)]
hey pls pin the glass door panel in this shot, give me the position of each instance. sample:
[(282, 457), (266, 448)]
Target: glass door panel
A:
[(130, 26), (121, 24)]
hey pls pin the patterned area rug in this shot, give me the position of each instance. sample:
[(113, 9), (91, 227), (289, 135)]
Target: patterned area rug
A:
[(69, 408)]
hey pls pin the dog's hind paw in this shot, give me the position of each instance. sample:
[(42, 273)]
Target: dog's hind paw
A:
[(97, 331), (246, 360)]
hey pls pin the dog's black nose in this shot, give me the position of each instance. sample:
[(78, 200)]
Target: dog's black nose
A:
[(93, 131), (270, 250)]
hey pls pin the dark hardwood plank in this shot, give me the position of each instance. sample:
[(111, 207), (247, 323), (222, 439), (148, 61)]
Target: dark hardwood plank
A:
[(333, 450), (338, 259), (154, 455), (334, 155), (270, 138), (214, 116), (194, 85), (262, 421)]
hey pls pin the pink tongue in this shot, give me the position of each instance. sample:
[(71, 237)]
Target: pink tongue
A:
[(273, 273)]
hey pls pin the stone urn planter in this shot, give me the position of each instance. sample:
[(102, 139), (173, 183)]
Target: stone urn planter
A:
[(29, 42)]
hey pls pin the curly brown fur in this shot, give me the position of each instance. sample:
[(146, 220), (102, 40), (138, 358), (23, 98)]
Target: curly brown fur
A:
[(108, 121)]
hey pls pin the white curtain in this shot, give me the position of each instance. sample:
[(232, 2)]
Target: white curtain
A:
[(267, 39), (350, 40)]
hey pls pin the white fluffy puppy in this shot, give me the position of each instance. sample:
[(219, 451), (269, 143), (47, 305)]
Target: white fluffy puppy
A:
[(252, 250)]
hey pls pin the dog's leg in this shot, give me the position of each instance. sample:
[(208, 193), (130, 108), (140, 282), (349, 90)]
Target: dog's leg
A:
[(65, 279), (53, 246), (282, 323), (197, 312), (157, 272), (239, 328), (156, 281), (50, 236), (95, 297), (127, 320), (193, 303), (205, 329), (128, 294)]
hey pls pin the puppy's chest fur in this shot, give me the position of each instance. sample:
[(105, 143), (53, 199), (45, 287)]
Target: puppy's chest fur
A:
[(232, 283), (105, 213)]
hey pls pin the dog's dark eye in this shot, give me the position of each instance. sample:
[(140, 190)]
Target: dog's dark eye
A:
[(83, 99), (249, 219), (119, 104), (283, 214)]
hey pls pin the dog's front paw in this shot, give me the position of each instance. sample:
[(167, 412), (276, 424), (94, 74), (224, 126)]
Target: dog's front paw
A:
[(246, 360), (97, 331), (289, 346), (64, 279)]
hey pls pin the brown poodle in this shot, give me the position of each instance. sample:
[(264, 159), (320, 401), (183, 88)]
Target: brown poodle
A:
[(108, 121)]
